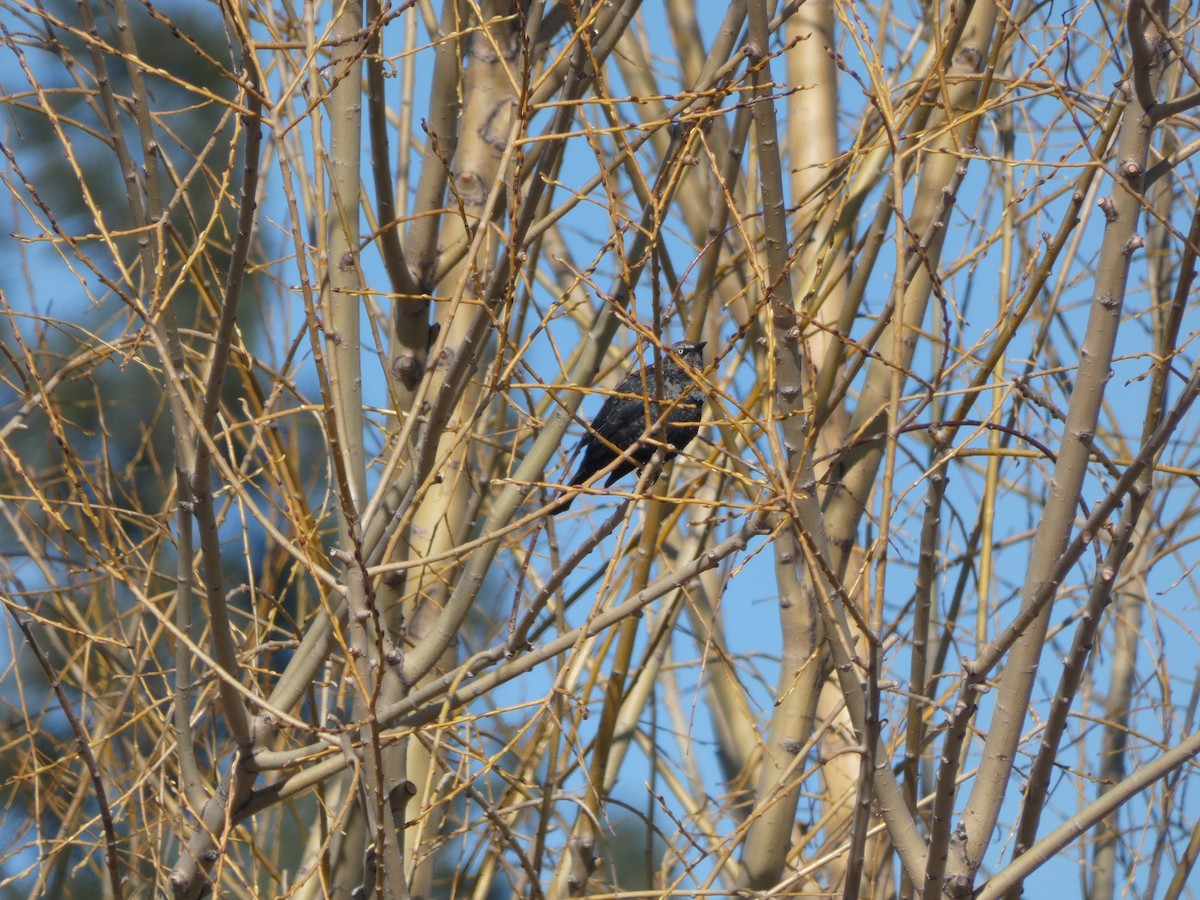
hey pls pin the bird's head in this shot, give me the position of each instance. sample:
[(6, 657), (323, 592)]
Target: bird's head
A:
[(690, 352)]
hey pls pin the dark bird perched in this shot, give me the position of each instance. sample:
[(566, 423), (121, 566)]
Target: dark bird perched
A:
[(632, 412)]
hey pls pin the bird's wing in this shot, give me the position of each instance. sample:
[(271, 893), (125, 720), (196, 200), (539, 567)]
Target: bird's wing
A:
[(630, 384), (603, 419)]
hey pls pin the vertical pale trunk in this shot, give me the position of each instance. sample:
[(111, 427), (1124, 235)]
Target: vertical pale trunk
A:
[(444, 516)]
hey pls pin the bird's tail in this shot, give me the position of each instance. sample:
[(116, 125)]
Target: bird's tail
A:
[(563, 503)]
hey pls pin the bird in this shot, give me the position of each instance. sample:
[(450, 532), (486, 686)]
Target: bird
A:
[(633, 411)]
